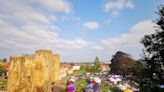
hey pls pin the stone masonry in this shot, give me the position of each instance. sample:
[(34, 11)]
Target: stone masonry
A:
[(33, 73)]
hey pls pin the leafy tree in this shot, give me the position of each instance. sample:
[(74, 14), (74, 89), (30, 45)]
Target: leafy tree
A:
[(154, 55), (95, 67), (121, 62), (2, 69), (138, 70), (72, 64), (97, 63), (4, 60)]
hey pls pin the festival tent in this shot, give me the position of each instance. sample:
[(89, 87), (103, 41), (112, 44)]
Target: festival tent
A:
[(97, 80)]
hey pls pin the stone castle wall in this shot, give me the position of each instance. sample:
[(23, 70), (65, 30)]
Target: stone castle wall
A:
[(33, 73)]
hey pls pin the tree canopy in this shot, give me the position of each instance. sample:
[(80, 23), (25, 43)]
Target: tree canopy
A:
[(96, 66), (154, 53), (121, 62), (97, 63), (4, 60), (2, 69)]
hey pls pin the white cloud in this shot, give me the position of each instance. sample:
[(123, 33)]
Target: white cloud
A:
[(57, 5), (91, 25), (129, 4), (97, 47), (132, 38), (24, 26), (26, 38), (69, 44), (117, 5), (29, 25), (30, 38), (112, 5)]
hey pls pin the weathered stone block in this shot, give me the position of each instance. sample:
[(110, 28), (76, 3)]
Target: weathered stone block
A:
[(33, 73)]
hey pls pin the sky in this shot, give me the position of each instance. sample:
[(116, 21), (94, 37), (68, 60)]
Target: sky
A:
[(79, 30)]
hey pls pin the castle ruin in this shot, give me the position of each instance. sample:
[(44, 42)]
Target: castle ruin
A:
[(33, 73)]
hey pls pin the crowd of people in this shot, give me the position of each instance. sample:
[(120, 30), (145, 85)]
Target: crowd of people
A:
[(94, 80), (92, 85)]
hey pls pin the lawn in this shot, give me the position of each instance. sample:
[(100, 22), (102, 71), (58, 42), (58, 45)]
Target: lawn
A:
[(3, 84), (81, 84)]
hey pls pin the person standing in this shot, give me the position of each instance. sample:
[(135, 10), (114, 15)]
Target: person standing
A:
[(71, 87), (89, 88), (96, 87)]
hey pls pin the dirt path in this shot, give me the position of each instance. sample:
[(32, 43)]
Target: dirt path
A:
[(60, 84)]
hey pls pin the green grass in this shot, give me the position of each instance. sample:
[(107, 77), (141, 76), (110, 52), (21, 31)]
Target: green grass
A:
[(80, 85), (79, 71), (64, 87), (3, 83)]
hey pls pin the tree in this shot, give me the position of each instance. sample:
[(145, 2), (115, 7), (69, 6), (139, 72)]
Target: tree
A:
[(72, 64), (154, 54), (121, 62), (138, 70), (97, 63), (96, 66), (2, 69), (4, 60)]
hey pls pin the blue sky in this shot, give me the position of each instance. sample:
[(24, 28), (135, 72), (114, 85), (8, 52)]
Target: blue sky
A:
[(79, 30)]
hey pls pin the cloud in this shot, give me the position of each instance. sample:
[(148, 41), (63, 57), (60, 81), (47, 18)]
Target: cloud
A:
[(29, 25), (73, 44), (33, 37), (97, 47), (129, 4), (117, 5), (91, 25), (24, 26), (28, 37), (56, 5), (39, 11), (132, 38)]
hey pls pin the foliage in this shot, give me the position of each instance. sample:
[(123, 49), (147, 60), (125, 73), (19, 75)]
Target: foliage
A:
[(92, 67), (154, 55), (80, 85), (121, 63), (3, 82), (107, 88), (64, 87), (2, 69), (97, 63), (138, 70), (4, 60), (79, 71), (96, 66)]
